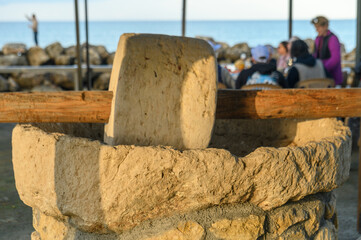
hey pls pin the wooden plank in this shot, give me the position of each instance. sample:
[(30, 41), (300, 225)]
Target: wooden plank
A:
[(55, 107), (231, 104), (288, 103)]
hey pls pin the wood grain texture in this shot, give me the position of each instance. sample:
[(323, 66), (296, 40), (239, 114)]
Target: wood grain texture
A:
[(55, 107), (231, 104), (288, 103)]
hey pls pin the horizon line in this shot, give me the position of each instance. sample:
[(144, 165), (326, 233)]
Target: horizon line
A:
[(175, 20)]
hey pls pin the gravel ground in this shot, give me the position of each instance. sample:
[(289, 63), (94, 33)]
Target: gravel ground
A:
[(16, 219)]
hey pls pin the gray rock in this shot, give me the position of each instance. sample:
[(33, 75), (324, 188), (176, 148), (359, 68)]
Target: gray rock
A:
[(94, 57), (102, 82), (71, 51), (13, 60), (46, 88), (64, 80), (102, 51), (4, 84), (64, 60), (29, 80), (13, 86), (37, 56), (110, 58), (14, 48), (54, 50), (235, 52)]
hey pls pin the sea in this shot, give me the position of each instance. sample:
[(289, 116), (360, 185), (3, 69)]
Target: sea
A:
[(107, 33)]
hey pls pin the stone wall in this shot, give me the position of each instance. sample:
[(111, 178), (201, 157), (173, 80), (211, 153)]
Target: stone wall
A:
[(266, 185)]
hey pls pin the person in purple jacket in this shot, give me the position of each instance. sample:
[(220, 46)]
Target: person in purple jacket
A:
[(328, 49)]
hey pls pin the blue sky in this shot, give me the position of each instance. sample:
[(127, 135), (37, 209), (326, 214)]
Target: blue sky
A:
[(102, 10)]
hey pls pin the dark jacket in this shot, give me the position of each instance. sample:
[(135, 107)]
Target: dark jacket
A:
[(268, 69), (293, 75)]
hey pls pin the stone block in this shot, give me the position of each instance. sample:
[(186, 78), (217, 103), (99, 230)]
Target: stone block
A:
[(185, 231), (327, 232), (164, 92), (63, 172), (14, 48), (247, 228), (54, 50)]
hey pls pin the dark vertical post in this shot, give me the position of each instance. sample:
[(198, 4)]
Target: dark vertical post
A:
[(79, 85), (358, 55), (184, 19), (290, 19), (88, 73)]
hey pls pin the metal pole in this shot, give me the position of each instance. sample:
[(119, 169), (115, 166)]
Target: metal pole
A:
[(88, 79), (184, 19), (290, 19), (358, 55), (79, 86)]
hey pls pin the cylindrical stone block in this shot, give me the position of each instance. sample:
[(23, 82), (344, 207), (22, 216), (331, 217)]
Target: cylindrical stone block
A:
[(164, 92)]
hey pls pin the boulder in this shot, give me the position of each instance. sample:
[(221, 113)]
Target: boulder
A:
[(102, 82), (4, 84), (110, 58), (29, 80), (64, 60), (13, 86), (37, 56), (64, 80), (235, 52), (70, 51), (13, 60), (94, 57), (46, 88), (102, 51), (351, 56), (54, 50), (14, 48)]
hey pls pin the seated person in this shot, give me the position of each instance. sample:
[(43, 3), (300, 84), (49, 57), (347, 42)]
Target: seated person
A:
[(225, 77), (262, 71), (305, 65)]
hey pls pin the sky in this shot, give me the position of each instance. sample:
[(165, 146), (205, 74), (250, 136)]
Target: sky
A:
[(113, 10)]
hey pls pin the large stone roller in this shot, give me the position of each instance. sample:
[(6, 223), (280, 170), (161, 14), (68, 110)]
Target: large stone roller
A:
[(164, 92)]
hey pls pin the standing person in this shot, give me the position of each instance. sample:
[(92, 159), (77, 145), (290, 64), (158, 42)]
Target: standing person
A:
[(305, 66), (282, 56), (34, 27), (262, 70), (328, 48)]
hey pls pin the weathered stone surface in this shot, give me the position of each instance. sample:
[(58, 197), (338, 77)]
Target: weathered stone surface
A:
[(298, 234), (94, 57), (248, 228), (13, 60), (235, 52), (70, 51), (13, 86), (14, 48), (64, 80), (330, 209), (54, 50), (4, 84), (110, 58), (176, 100), (327, 232), (30, 80), (37, 56), (102, 51), (69, 174), (102, 82), (64, 60), (185, 231), (46, 88), (49, 228)]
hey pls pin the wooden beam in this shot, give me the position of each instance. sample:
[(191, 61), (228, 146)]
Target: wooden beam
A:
[(289, 103), (231, 104), (55, 107)]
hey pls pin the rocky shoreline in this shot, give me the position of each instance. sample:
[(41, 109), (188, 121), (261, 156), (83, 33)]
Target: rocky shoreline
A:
[(17, 54)]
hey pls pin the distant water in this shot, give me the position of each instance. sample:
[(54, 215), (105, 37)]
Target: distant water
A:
[(231, 32)]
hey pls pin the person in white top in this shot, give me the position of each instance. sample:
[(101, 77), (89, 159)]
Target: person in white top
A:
[(34, 27)]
